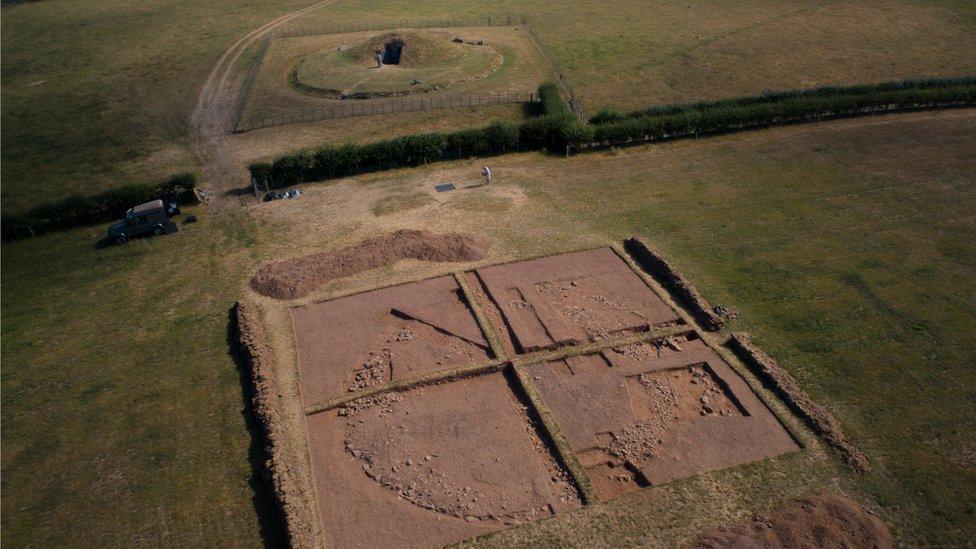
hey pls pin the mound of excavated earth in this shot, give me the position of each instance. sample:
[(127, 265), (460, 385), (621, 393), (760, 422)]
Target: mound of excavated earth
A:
[(294, 278), (814, 521)]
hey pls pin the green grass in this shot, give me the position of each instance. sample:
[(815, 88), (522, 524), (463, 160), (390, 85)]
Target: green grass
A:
[(849, 256), (122, 407), (98, 95), (847, 249), (440, 63), (852, 261), (632, 54)]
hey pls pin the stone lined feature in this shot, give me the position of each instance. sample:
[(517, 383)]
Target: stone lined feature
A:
[(432, 466), (454, 406), (655, 411), (569, 299), (373, 338)]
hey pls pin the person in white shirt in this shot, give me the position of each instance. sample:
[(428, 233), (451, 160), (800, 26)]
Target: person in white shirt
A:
[(486, 173)]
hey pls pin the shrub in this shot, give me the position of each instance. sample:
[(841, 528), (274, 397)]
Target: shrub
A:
[(557, 127), (77, 211), (730, 115), (827, 95), (606, 114), (551, 101)]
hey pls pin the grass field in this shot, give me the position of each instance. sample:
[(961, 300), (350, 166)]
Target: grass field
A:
[(630, 53), (846, 247), (98, 95), (354, 70), (316, 64)]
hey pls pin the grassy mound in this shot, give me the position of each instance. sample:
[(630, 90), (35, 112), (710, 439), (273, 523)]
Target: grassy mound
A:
[(429, 61)]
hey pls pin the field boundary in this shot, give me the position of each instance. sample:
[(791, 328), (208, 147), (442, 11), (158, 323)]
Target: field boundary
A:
[(247, 86), (389, 106), (572, 100), (558, 131), (374, 107), (504, 20)]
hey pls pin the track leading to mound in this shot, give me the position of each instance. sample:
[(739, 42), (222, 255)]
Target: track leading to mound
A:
[(210, 120)]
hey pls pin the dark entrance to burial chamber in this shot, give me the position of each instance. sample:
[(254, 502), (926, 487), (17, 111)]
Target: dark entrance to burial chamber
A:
[(392, 51)]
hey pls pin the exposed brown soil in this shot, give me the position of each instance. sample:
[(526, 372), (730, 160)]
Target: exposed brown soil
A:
[(571, 298), (812, 522), (433, 465), (649, 413), (294, 278), (299, 520), (679, 286), (823, 422), (375, 337)]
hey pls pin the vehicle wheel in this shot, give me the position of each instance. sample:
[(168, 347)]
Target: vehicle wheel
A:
[(121, 239), (158, 231)]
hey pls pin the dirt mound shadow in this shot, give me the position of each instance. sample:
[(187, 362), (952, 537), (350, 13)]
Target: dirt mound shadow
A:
[(294, 278), (825, 520)]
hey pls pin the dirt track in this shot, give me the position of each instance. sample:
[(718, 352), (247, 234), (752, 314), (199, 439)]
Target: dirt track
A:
[(211, 117)]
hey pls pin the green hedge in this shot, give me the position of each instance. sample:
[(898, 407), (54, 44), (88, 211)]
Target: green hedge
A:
[(555, 128), (722, 116), (77, 211), (868, 93)]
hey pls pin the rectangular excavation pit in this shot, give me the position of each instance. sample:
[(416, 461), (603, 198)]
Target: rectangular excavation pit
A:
[(375, 337), (569, 299), (649, 413), (432, 466), (461, 456)]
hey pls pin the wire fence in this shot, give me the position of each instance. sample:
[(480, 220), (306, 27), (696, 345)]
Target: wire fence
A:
[(493, 21), (388, 106), (392, 106), (248, 84), (571, 99)]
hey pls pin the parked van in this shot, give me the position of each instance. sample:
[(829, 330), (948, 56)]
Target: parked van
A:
[(144, 219)]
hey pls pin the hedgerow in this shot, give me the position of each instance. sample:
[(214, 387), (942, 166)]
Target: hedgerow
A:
[(737, 114), (556, 127), (870, 93), (77, 211)]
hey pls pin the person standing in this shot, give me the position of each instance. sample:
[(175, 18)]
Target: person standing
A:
[(486, 173)]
